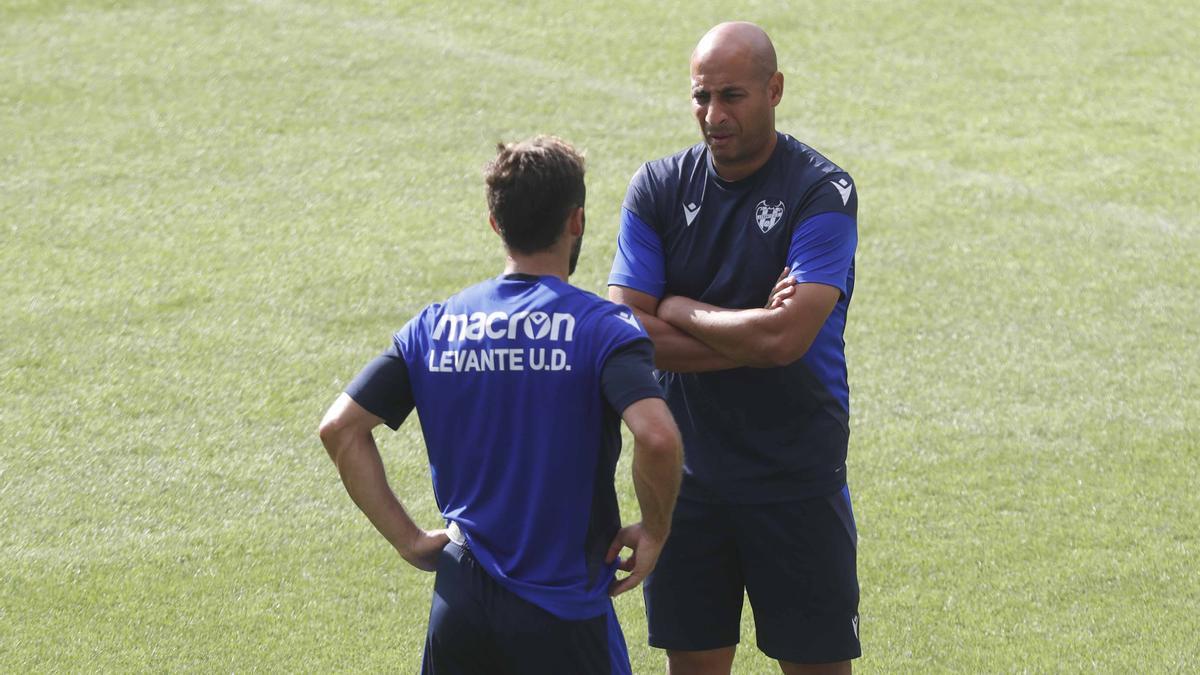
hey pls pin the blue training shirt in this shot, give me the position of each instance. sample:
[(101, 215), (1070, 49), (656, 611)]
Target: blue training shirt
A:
[(512, 381), (750, 435)]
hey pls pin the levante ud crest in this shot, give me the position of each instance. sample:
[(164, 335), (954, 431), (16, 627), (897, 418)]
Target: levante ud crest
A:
[(768, 215)]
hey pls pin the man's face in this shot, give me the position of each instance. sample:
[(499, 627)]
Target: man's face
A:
[(734, 103)]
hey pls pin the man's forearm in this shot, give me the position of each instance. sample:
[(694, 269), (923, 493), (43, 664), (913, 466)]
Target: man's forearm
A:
[(678, 352), (362, 473), (656, 478), (747, 337)]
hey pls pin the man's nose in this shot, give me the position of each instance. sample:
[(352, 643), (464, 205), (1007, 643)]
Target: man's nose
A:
[(715, 115)]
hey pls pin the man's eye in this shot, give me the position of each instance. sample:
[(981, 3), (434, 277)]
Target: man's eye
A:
[(700, 98)]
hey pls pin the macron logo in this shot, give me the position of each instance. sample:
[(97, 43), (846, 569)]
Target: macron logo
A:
[(690, 211), (844, 188), (627, 317), (500, 325)]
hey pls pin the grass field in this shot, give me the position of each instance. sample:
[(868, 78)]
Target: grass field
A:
[(212, 214)]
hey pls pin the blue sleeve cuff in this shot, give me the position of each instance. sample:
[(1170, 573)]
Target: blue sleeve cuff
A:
[(628, 375), (627, 281)]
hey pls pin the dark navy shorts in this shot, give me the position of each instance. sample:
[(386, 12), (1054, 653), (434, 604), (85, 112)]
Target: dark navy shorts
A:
[(796, 561), (477, 626)]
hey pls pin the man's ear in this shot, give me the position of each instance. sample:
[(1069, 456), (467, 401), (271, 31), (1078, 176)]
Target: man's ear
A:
[(495, 227), (775, 87), (575, 223)]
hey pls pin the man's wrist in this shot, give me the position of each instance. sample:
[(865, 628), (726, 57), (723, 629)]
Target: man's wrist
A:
[(406, 543), (657, 534)]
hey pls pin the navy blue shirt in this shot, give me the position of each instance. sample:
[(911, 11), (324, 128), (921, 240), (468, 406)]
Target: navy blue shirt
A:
[(519, 383), (750, 435)]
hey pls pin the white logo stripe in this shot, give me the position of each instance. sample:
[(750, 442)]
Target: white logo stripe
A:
[(844, 188)]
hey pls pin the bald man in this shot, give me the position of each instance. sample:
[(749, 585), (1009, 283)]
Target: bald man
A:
[(737, 255)]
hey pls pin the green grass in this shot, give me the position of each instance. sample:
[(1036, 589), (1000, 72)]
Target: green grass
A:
[(212, 214)]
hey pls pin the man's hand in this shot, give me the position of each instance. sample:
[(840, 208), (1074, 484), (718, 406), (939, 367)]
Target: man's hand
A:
[(640, 563), (785, 287), (657, 470), (424, 548)]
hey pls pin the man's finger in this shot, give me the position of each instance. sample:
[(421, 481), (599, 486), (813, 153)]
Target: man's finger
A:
[(782, 284), (625, 584), (615, 547), (778, 298)]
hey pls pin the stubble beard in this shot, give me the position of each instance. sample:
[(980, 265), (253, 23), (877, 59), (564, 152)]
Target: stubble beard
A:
[(575, 251)]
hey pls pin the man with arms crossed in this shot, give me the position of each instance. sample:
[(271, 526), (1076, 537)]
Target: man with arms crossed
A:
[(520, 382), (754, 369)]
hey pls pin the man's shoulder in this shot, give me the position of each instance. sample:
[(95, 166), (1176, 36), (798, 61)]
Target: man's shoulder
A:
[(611, 318), (816, 182), (658, 183), (805, 160)]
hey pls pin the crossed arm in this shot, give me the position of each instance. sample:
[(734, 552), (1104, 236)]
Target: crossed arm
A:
[(691, 336)]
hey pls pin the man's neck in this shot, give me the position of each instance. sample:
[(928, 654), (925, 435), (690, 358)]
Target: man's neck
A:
[(545, 264)]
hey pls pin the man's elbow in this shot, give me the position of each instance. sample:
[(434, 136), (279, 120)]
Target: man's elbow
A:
[(783, 350), (332, 431), (661, 444)]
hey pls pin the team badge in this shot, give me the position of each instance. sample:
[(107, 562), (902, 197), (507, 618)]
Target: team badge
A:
[(768, 215)]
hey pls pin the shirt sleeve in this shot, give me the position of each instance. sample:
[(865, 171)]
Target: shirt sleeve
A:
[(822, 249), (639, 263), (628, 375), (384, 389)]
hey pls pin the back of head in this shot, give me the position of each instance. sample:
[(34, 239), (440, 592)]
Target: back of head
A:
[(532, 188)]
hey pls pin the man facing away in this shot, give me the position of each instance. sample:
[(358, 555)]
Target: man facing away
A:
[(520, 382), (754, 370)]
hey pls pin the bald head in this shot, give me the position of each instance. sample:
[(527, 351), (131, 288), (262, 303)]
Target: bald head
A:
[(737, 42)]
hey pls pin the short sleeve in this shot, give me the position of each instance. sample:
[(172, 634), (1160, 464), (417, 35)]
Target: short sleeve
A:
[(384, 388), (628, 375), (639, 196), (822, 250), (613, 328), (639, 263)]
